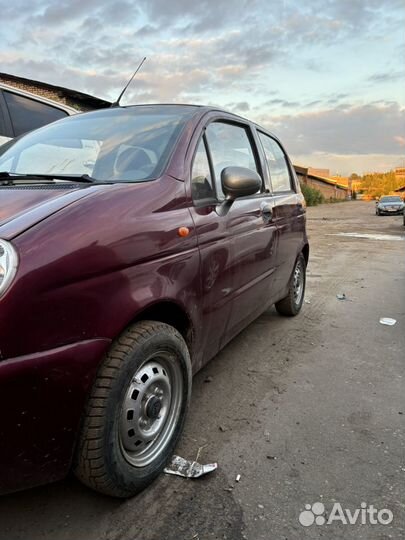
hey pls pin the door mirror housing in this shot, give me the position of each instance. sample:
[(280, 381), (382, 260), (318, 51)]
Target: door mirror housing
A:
[(239, 182)]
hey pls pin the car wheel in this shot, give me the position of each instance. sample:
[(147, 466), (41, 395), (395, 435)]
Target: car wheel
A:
[(136, 410), (292, 303)]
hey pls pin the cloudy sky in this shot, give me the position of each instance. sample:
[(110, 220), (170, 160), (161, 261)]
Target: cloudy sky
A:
[(327, 76)]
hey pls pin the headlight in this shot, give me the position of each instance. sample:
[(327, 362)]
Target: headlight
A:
[(8, 265)]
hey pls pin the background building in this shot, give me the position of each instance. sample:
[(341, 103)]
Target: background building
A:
[(72, 98), (329, 187), (399, 173)]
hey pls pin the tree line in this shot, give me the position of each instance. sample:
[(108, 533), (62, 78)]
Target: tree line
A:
[(378, 184)]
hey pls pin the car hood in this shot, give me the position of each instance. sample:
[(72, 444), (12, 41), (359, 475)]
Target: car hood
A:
[(21, 207)]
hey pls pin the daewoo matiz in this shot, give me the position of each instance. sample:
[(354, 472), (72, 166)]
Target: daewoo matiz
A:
[(136, 242)]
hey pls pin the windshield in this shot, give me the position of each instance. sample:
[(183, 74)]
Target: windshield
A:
[(393, 199), (120, 144)]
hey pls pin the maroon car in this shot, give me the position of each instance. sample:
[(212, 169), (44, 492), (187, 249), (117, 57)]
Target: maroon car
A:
[(135, 243)]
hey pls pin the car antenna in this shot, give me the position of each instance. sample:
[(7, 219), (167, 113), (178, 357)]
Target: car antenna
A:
[(117, 103)]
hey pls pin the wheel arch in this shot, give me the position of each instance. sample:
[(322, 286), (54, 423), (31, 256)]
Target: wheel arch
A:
[(171, 313), (305, 252)]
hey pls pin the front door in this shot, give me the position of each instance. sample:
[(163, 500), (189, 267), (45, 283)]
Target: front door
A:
[(237, 248)]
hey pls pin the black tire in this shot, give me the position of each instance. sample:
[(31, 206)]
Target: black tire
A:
[(103, 460), (291, 304)]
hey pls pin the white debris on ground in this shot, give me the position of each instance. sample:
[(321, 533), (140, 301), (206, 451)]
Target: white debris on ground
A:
[(188, 469), (388, 321), (367, 236)]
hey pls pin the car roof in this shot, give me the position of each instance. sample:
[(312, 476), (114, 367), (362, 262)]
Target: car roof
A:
[(202, 109), (199, 107), (199, 111)]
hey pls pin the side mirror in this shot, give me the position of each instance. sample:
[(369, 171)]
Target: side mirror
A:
[(239, 182)]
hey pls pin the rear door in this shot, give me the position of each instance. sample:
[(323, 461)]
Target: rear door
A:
[(288, 209)]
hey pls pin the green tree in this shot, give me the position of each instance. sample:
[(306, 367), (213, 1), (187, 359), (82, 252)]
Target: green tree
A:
[(378, 184), (312, 196)]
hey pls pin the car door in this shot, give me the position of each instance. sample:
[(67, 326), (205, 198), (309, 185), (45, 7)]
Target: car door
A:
[(6, 132), (288, 209), (237, 247), (215, 247)]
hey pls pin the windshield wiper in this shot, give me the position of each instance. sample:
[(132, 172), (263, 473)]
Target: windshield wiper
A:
[(8, 178)]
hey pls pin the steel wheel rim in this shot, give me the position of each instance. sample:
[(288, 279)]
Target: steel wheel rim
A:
[(151, 409), (298, 283)]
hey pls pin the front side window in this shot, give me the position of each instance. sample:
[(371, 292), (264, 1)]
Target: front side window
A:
[(27, 114), (201, 181), (277, 163), (229, 146), (121, 144)]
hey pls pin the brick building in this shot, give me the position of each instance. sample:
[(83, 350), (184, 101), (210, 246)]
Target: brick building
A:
[(399, 173), (329, 187), (72, 98)]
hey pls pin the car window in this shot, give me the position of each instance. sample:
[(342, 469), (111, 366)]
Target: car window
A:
[(3, 132), (116, 144), (63, 159), (277, 163), (27, 114), (229, 146), (201, 181), (393, 199)]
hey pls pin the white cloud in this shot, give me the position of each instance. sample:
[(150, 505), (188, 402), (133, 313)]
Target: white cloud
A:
[(253, 56), (366, 129), (346, 164)]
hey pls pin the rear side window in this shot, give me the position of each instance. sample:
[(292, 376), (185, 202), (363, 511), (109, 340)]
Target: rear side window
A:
[(201, 181), (229, 146), (277, 163), (27, 114)]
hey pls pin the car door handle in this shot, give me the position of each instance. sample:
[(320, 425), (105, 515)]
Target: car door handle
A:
[(266, 212)]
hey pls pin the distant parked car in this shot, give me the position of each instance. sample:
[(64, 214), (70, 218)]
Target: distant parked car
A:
[(136, 242), (389, 204), (21, 111)]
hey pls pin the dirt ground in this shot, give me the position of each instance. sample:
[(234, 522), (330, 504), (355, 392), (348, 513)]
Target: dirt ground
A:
[(306, 410)]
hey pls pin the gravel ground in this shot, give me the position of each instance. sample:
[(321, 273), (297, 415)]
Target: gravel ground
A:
[(307, 410)]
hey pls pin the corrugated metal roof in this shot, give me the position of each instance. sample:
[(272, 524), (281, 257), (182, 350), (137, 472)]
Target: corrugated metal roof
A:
[(304, 170)]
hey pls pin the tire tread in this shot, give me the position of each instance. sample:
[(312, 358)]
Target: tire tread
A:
[(286, 306), (89, 464)]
